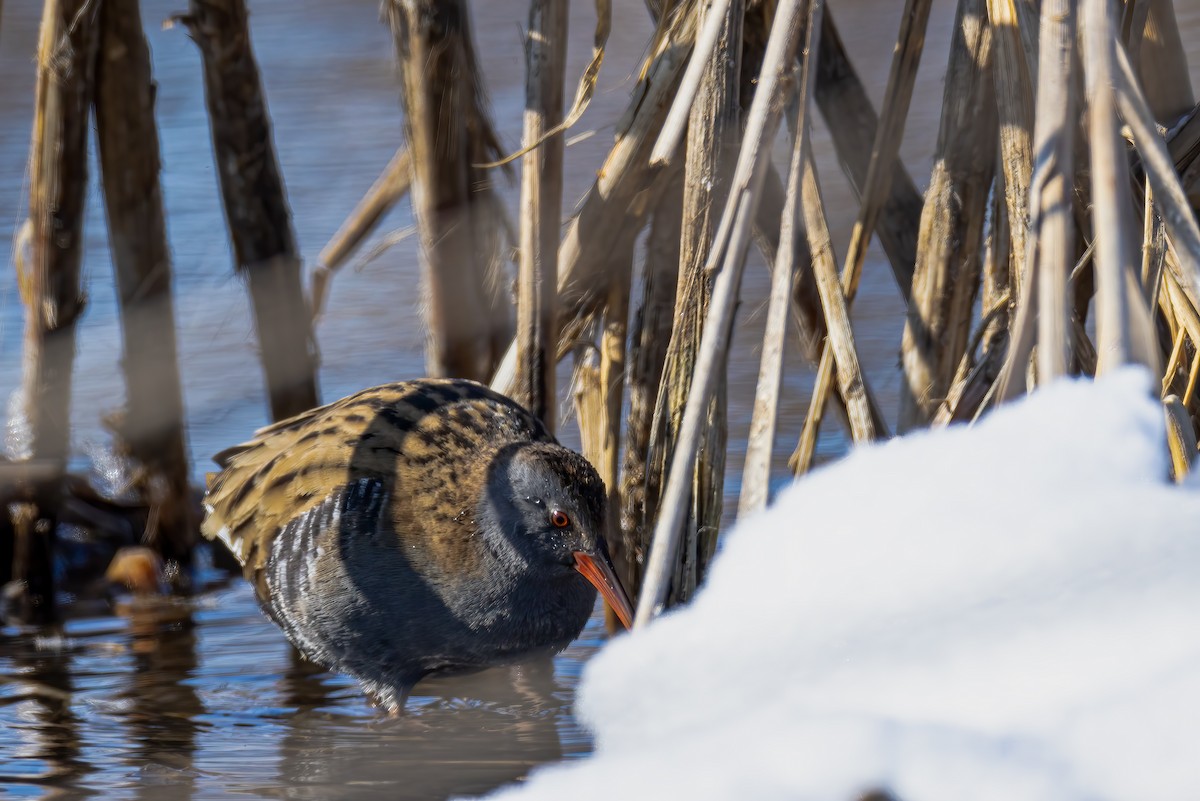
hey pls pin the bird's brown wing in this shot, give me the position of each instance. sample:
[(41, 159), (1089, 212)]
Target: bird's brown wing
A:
[(426, 437)]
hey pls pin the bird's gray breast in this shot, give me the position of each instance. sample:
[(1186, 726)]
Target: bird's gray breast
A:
[(352, 596)]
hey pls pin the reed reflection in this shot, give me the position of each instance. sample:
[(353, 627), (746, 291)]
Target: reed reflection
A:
[(41, 718), (160, 702)]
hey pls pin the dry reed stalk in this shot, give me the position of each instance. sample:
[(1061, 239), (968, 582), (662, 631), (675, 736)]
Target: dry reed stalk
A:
[(1049, 206), (1181, 437), (1183, 143), (613, 343), (1133, 27), (866, 422), (1014, 101), (712, 37), (807, 313), (1053, 241), (151, 428), (541, 207), (1173, 361), (884, 150), (1110, 193), (996, 292), (649, 338), (449, 135), (614, 209), (728, 253), (949, 260), (391, 185), (756, 472), (973, 378), (256, 207), (584, 91), (51, 288), (1174, 299), (1183, 234), (1154, 249), (589, 405), (1188, 394), (805, 302), (1162, 63), (853, 125), (712, 129)]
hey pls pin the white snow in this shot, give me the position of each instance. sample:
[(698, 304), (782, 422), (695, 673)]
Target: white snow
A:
[(1010, 611)]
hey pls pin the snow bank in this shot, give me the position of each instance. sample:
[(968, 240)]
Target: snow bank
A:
[(1005, 612)]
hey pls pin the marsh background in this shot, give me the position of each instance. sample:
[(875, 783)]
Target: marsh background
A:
[(206, 702)]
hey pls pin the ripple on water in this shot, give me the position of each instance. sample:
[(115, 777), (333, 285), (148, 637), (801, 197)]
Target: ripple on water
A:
[(162, 700)]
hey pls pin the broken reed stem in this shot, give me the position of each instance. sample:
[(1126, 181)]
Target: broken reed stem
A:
[(448, 134), (256, 207), (897, 96), (756, 472), (949, 259), (51, 289), (151, 427), (710, 154), (608, 219), (392, 184), (541, 204), (728, 253)]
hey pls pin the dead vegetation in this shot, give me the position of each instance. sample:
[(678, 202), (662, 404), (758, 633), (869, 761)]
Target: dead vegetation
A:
[(1057, 235)]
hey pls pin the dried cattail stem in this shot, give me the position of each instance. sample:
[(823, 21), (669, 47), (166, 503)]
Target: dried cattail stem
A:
[(151, 429), (1014, 102), (388, 188), (713, 127), (649, 337), (1050, 188), (51, 288), (854, 125), (541, 203), (609, 220), (901, 78), (256, 207), (728, 254), (756, 473), (449, 136), (949, 260)]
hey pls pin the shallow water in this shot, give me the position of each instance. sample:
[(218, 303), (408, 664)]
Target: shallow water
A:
[(205, 701)]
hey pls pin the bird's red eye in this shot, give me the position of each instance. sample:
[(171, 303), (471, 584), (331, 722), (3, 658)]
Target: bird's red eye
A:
[(559, 518)]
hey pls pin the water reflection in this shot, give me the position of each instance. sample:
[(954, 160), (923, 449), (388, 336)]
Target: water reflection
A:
[(47, 751), (161, 703), (461, 734)]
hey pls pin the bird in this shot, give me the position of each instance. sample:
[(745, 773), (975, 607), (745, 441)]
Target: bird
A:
[(413, 528)]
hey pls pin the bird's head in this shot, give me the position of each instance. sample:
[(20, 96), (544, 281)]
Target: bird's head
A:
[(551, 505)]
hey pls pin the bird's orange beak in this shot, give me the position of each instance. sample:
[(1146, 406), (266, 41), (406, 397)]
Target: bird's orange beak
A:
[(600, 573)]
